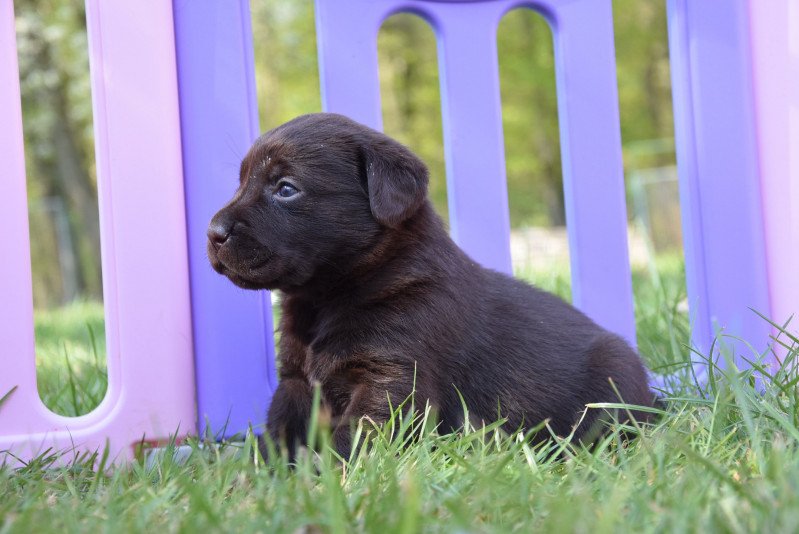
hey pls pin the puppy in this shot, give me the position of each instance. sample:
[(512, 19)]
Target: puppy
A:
[(378, 300)]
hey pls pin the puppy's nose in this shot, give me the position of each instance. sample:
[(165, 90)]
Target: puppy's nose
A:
[(218, 233)]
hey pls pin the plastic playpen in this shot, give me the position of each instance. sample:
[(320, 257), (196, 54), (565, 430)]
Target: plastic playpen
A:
[(174, 92)]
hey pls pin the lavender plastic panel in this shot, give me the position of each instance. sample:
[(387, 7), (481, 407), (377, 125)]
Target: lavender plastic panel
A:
[(473, 137), (234, 351), (593, 175), (590, 137), (717, 159)]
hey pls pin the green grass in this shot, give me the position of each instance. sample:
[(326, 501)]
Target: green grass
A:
[(723, 458), (70, 357)]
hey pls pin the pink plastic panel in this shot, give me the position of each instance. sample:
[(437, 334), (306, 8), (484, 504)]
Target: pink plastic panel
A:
[(151, 378), (720, 197), (775, 51)]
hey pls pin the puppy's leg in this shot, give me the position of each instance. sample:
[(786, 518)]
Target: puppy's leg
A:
[(617, 375), (287, 421), (368, 400)]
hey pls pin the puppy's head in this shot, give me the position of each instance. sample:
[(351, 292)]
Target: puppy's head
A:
[(315, 196)]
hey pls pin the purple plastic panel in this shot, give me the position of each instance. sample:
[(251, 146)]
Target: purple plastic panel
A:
[(145, 284), (478, 204), (234, 351), (717, 159)]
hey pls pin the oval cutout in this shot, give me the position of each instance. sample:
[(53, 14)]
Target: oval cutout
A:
[(286, 64), (62, 206), (410, 95), (653, 205), (539, 243)]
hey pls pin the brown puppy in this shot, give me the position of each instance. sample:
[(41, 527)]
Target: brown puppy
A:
[(376, 294)]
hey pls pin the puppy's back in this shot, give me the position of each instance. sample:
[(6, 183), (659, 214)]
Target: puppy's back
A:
[(531, 356)]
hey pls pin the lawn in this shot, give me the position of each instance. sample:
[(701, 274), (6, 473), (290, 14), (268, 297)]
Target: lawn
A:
[(722, 457)]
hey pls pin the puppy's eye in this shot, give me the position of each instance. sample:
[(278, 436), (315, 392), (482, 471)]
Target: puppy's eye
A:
[(286, 190)]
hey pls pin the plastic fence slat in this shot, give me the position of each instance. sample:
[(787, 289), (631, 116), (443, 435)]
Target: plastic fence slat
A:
[(717, 160), (17, 358), (234, 352), (775, 73), (596, 216)]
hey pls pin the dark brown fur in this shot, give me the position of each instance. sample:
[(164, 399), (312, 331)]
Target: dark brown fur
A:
[(376, 294)]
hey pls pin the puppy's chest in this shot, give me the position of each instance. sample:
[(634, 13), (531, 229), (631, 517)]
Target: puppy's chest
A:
[(330, 350), (321, 350), (337, 374)]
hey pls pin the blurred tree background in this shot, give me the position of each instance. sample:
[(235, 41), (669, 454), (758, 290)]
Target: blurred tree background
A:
[(59, 150), (54, 74)]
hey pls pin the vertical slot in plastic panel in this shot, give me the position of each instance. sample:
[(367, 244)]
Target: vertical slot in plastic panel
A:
[(593, 174)]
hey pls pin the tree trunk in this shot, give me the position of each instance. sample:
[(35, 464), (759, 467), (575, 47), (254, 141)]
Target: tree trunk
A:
[(75, 185)]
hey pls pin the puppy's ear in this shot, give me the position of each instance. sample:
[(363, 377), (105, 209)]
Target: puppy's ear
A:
[(395, 178)]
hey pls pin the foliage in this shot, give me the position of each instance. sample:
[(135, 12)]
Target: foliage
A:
[(530, 119), (409, 92), (59, 143), (71, 357)]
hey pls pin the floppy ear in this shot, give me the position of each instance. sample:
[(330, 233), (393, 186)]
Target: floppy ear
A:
[(395, 178)]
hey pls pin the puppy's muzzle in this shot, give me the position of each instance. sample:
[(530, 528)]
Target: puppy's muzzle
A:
[(219, 232)]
